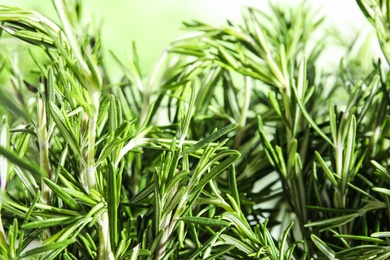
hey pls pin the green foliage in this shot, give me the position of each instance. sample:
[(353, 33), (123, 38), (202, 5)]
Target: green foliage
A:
[(236, 147)]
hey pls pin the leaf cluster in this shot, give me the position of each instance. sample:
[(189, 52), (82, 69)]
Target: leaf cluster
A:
[(236, 146)]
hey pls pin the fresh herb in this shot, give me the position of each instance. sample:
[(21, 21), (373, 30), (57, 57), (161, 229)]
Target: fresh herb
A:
[(236, 147)]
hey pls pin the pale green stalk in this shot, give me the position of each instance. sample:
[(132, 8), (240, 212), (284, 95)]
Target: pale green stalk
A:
[(92, 121), (105, 252), (94, 92), (43, 149), (244, 112), (169, 222)]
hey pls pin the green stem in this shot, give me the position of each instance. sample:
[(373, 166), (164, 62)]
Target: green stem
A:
[(168, 224), (43, 149), (244, 112), (90, 177), (105, 252), (104, 236)]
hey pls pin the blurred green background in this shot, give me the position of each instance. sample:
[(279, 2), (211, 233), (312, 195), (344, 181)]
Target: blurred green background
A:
[(154, 24)]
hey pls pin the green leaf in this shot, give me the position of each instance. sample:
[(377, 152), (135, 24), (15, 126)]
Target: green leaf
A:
[(381, 234), (228, 57), (348, 152), (365, 252), (13, 237), (237, 243), (274, 103), (112, 205), (177, 178), (233, 156), (109, 148), (83, 197), (309, 118), (241, 224), (35, 38), (382, 190), (63, 125), (371, 239), (49, 247), (333, 222), (135, 253), (271, 154), (203, 143), (51, 222), (87, 246), (329, 174), (205, 221), (173, 202), (185, 124), (283, 241), (66, 198), (233, 186), (131, 72), (332, 121), (205, 246), (156, 242), (40, 66), (220, 251), (323, 247), (381, 172), (143, 194)]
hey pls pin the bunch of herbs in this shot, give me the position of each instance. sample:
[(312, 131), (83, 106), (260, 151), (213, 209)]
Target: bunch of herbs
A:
[(237, 146)]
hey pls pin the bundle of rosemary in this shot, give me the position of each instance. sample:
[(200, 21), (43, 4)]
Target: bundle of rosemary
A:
[(235, 147)]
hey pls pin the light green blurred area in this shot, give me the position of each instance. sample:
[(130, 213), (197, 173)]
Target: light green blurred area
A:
[(152, 24)]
